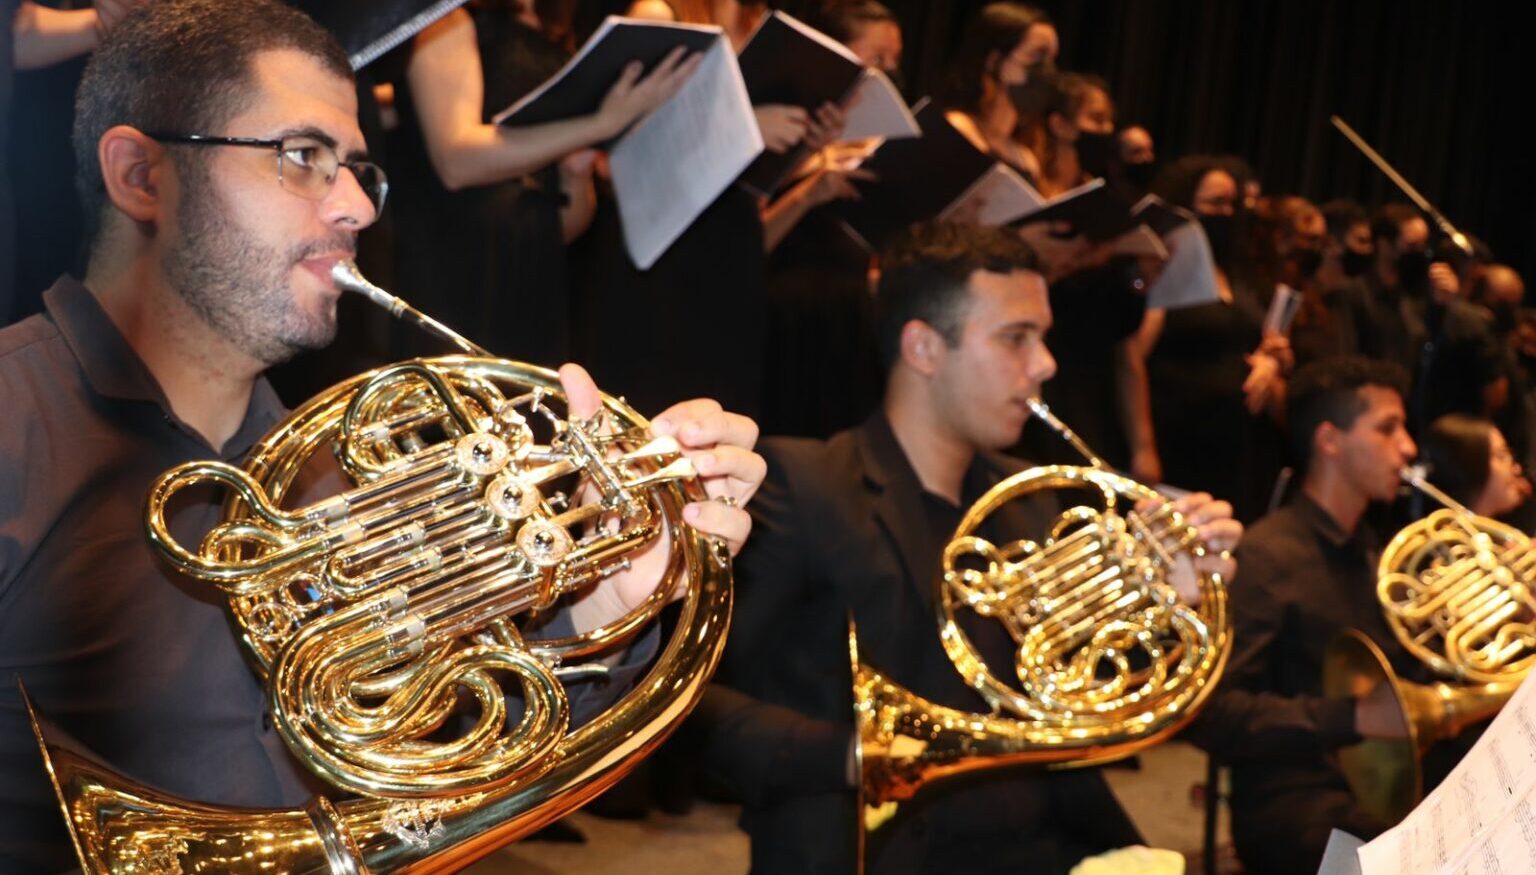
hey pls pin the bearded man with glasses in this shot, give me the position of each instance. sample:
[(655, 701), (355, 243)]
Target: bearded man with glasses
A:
[(223, 175)]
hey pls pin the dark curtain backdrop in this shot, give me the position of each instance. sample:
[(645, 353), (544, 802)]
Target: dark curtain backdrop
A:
[(1437, 87)]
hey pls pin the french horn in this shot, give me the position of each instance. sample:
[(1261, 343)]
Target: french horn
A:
[(1109, 659), (1456, 591), (389, 620)]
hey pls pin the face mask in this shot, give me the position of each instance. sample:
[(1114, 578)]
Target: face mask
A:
[(1096, 152), (1308, 261), (1221, 232), (1139, 175), (1033, 95), (1413, 268), (1355, 263)]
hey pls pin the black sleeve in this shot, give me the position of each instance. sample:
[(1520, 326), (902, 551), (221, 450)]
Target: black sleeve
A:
[(1243, 719), (765, 749)]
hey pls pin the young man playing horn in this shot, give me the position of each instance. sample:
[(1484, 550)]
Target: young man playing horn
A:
[(854, 526), (1306, 573), (210, 261)]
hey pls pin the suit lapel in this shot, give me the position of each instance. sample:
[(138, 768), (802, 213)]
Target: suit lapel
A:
[(898, 507)]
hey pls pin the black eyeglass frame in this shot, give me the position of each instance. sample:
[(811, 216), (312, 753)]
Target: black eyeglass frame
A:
[(277, 146)]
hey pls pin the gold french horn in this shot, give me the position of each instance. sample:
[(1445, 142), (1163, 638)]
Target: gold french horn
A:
[(1109, 660), (1456, 591), (389, 620)]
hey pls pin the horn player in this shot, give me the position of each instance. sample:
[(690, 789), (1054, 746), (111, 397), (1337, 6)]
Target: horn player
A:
[(1307, 572), (855, 526), (223, 173)]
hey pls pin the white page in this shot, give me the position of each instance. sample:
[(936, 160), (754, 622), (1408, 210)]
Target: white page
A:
[(1188, 277), (997, 197), (877, 110), (674, 164), (1469, 822), (1282, 310)]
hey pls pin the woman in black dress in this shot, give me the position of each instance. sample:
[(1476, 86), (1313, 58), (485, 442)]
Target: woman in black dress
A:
[(1215, 381), (485, 211)]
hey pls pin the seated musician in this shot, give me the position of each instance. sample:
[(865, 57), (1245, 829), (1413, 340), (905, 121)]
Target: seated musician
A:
[(855, 525), (1306, 573), (208, 263)]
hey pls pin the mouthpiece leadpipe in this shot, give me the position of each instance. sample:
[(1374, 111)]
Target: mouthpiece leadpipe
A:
[(348, 278), (1043, 411), (1417, 476)]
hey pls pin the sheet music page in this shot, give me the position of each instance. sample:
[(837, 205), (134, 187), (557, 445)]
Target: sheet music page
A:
[(1480, 819), (997, 197), (673, 165), (877, 110), (1189, 275)]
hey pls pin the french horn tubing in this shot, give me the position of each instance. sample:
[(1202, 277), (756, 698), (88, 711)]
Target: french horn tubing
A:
[(389, 620), (1456, 590), (1109, 659)]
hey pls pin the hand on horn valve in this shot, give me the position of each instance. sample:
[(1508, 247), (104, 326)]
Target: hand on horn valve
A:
[(719, 444), (1212, 518)]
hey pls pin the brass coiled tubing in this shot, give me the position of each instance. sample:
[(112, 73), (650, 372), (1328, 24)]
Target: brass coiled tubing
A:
[(1109, 659), (390, 619), (1456, 589)]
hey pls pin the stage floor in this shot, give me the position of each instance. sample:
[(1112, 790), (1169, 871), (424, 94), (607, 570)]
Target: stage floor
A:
[(707, 842)]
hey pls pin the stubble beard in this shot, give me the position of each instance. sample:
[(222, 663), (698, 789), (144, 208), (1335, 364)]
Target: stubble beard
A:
[(239, 287)]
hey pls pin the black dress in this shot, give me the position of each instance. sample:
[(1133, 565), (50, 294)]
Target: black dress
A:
[(822, 371), (1205, 435), (690, 327), (488, 261)]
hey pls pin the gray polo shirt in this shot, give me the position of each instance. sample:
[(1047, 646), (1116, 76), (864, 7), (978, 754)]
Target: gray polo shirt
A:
[(133, 660)]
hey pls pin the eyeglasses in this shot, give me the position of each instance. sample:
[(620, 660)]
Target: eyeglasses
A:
[(306, 166)]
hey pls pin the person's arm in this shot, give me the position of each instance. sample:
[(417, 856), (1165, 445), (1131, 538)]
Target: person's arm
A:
[(42, 36), (822, 185), (764, 749), (1242, 719), (448, 88), (1135, 397)]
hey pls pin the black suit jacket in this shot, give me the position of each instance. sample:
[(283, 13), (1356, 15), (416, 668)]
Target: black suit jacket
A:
[(840, 530)]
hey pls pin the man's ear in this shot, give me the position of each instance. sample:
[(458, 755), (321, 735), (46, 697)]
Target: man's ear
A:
[(132, 168), (922, 346), (1326, 440)]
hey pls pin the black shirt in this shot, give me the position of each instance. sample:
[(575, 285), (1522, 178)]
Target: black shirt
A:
[(136, 663), (1301, 581)]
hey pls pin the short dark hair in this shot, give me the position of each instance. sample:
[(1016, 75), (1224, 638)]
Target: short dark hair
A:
[(1458, 449), (841, 19), (1327, 390), (1343, 214), (997, 27), (181, 66), (924, 275), (1388, 221)]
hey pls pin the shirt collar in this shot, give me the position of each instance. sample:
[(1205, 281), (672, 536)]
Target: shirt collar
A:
[(885, 460), (114, 370), (111, 366), (1323, 522)]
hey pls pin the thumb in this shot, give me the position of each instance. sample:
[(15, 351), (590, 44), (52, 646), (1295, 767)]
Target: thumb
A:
[(581, 395)]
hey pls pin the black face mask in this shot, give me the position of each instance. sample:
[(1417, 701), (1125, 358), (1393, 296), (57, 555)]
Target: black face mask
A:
[(1413, 269), (1355, 263), (1221, 231), (1139, 175), (1033, 95), (1308, 261), (1097, 152)]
